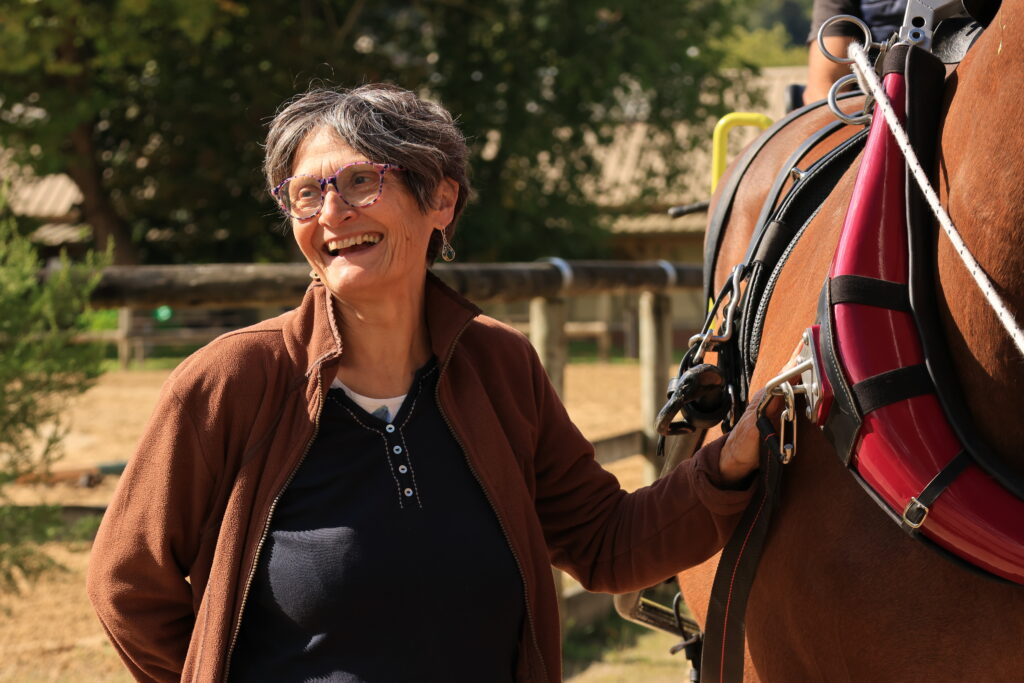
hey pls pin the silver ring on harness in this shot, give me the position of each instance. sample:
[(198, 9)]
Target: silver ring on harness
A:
[(868, 42), (861, 118)]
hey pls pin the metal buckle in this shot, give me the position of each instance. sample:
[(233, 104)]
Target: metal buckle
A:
[(916, 506)]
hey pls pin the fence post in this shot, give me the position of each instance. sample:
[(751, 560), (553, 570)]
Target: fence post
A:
[(604, 315), (124, 334), (630, 339), (547, 334), (655, 312)]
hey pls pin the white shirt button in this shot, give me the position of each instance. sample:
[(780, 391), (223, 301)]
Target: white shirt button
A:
[(408, 493), (403, 469), (390, 429), (397, 450)]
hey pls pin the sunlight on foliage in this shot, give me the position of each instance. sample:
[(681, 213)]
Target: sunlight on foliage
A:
[(763, 47)]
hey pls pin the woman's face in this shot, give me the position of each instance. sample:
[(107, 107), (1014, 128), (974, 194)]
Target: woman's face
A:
[(371, 252)]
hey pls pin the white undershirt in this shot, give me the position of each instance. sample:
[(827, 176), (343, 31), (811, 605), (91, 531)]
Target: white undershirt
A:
[(372, 405)]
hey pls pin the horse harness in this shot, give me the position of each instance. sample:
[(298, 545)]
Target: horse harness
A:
[(889, 403)]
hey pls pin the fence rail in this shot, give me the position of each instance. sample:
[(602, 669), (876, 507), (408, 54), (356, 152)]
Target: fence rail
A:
[(254, 285)]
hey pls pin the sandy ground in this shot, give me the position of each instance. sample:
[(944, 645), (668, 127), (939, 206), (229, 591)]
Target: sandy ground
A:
[(48, 633)]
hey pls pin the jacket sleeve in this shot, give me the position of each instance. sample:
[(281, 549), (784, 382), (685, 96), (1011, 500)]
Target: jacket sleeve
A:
[(613, 541), (148, 539)]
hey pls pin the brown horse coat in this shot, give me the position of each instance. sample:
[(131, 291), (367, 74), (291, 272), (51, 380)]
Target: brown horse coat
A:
[(841, 593)]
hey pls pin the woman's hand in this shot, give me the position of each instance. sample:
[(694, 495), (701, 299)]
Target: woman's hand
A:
[(741, 452)]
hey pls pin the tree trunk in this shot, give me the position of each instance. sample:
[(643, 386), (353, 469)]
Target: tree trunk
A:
[(97, 210)]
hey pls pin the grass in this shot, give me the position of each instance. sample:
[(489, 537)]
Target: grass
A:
[(613, 650)]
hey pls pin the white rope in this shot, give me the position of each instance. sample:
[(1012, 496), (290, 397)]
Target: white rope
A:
[(866, 74)]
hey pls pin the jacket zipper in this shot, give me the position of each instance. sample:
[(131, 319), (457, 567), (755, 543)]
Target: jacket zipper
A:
[(266, 526), (487, 495)]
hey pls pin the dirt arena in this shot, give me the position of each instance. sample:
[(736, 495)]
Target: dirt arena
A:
[(49, 633)]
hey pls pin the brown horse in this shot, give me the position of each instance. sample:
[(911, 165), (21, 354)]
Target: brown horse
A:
[(841, 594)]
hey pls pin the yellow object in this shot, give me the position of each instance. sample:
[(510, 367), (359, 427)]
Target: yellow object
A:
[(720, 139)]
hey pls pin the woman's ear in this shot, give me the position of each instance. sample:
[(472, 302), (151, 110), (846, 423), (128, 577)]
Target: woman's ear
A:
[(445, 197)]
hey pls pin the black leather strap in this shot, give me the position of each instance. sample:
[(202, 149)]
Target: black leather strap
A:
[(785, 174), (788, 224), (723, 207), (857, 289), (916, 513), (891, 387), (724, 630)]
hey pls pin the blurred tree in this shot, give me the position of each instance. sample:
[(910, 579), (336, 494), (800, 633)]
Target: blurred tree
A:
[(157, 109), (40, 368), (762, 47), (793, 15)]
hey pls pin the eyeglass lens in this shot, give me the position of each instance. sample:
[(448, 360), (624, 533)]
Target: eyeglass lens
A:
[(358, 185)]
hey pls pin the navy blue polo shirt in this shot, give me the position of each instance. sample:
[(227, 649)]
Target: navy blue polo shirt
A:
[(384, 560)]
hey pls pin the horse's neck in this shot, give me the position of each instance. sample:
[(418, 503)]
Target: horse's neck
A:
[(981, 163)]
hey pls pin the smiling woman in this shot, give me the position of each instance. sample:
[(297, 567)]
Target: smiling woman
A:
[(312, 489)]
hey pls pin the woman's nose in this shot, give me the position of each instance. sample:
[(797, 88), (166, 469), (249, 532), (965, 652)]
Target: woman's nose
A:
[(335, 210)]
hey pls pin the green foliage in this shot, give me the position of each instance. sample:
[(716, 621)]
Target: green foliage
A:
[(40, 368), (793, 15), (761, 47), (104, 319), (163, 104)]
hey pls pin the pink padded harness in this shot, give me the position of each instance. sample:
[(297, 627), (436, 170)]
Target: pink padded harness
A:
[(901, 447)]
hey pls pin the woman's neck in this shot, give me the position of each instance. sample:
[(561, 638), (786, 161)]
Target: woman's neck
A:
[(384, 343)]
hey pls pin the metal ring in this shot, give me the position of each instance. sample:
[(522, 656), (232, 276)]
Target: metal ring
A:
[(670, 270), (856, 21), (563, 267), (833, 103)]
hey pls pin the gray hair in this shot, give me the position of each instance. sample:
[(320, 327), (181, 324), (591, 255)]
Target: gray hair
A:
[(389, 125)]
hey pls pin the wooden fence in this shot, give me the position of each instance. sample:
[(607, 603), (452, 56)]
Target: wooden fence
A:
[(546, 284)]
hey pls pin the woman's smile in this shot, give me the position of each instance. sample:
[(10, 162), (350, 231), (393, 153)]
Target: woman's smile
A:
[(353, 244)]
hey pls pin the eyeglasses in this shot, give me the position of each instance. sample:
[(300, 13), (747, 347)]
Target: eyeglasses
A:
[(359, 184)]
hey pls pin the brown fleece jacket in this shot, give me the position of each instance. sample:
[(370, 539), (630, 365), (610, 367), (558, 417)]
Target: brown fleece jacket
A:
[(172, 562)]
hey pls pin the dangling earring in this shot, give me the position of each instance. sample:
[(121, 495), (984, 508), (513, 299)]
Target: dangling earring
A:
[(315, 275), (447, 250)]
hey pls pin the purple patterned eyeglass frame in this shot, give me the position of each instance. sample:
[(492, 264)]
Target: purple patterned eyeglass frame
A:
[(332, 180)]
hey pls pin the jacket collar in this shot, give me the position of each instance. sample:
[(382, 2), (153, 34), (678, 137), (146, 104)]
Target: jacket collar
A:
[(314, 337)]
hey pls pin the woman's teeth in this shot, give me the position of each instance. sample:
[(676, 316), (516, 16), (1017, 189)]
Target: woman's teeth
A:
[(334, 246)]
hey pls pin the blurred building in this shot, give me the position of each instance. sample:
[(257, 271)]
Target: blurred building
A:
[(48, 207)]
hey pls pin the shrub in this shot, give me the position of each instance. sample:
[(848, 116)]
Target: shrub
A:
[(41, 367)]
